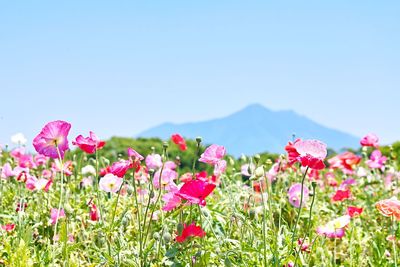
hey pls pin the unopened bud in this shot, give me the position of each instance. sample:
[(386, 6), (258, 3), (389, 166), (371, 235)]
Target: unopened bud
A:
[(259, 172), (167, 237), (198, 139)]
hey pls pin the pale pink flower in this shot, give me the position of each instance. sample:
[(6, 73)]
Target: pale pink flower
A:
[(294, 195), (153, 161), (171, 201), (310, 153), (110, 183), (220, 167), (247, 169), (40, 159), (167, 176), (213, 154), (7, 171), (56, 214), (134, 154)]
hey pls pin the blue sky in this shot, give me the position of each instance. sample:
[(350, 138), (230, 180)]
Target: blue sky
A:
[(119, 67)]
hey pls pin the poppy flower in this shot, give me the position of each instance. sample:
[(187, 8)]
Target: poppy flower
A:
[(167, 177), (345, 161), (353, 211), (341, 195), (171, 201), (376, 160), (8, 227), (153, 161), (134, 154), (120, 168), (93, 213), (370, 140), (178, 139), (89, 144), (190, 230), (294, 195), (310, 153), (110, 183), (213, 154), (52, 136), (389, 207), (56, 214), (334, 228), (195, 191)]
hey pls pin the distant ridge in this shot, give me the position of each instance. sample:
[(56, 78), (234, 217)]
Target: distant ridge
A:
[(255, 129)]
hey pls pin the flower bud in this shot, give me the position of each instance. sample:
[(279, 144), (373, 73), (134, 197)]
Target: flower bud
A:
[(167, 237)]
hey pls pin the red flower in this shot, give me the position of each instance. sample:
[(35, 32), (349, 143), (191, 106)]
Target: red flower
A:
[(93, 213), (8, 227), (188, 231), (88, 144), (354, 211), (178, 139), (195, 191), (341, 195)]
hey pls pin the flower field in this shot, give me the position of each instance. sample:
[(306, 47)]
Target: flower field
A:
[(304, 208)]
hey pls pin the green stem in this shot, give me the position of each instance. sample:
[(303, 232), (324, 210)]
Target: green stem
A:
[(138, 218), (294, 232), (394, 241)]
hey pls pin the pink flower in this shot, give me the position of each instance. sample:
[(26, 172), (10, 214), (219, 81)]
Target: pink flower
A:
[(334, 228), (246, 169), (220, 167), (110, 183), (376, 160), (213, 154), (67, 167), (167, 176), (89, 144), (153, 161), (345, 161), (389, 207), (171, 201), (195, 191), (120, 168), (178, 139), (40, 159), (190, 230), (294, 195), (7, 171), (53, 135), (370, 140), (56, 214), (18, 152), (26, 161), (133, 154), (310, 153)]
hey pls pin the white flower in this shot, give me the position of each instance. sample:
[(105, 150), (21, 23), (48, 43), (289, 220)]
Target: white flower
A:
[(110, 183), (18, 139), (88, 169)]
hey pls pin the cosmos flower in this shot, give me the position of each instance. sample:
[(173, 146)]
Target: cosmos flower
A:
[(52, 136)]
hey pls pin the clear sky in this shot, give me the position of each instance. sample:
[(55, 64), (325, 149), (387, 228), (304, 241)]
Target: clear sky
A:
[(119, 67)]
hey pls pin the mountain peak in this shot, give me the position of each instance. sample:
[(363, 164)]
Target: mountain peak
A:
[(255, 129)]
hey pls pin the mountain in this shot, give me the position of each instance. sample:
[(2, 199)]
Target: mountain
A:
[(256, 129)]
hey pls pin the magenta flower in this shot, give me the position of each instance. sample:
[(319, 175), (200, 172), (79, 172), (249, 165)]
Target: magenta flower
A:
[(310, 153), (110, 183), (370, 140), (213, 154), (334, 228), (53, 135), (294, 195), (120, 168), (56, 214), (89, 144), (195, 191), (376, 160)]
